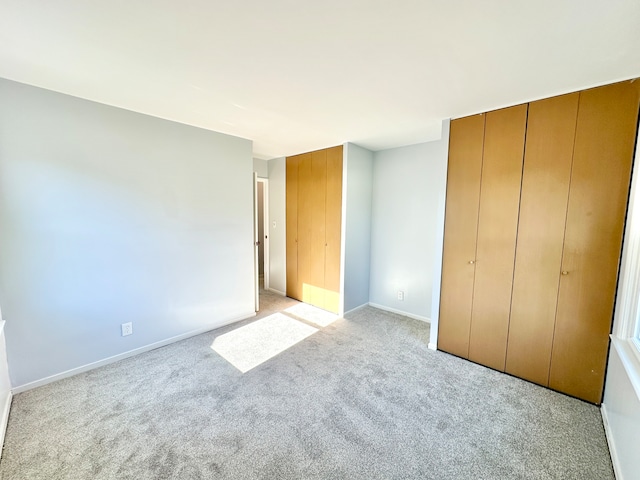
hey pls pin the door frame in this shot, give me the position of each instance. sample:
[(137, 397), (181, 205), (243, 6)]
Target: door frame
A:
[(265, 229), (264, 240)]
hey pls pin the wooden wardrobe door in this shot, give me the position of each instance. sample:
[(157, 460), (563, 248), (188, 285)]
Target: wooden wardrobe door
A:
[(497, 227), (314, 289), (333, 229), (293, 286), (305, 226), (548, 155), (466, 140), (604, 145)]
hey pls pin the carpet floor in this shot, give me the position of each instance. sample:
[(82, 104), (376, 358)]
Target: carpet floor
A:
[(361, 398)]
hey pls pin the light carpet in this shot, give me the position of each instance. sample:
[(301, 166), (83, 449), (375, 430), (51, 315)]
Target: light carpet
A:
[(362, 398)]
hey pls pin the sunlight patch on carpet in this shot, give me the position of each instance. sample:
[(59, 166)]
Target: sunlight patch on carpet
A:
[(249, 346), (312, 314)]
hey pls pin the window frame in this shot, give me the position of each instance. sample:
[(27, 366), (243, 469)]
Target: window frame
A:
[(625, 336)]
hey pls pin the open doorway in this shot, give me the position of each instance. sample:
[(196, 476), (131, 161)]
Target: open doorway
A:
[(261, 222)]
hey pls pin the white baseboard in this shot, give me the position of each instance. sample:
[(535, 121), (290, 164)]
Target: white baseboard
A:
[(400, 312), (276, 291), (4, 419), (130, 353), (356, 309), (612, 446), (432, 346)]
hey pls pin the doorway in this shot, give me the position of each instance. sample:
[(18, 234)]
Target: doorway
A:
[(261, 223)]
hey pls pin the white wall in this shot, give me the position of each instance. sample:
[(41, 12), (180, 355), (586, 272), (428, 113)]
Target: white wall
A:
[(621, 412), (277, 234), (439, 178), (261, 167), (621, 403), (109, 216), (358, 183), (408, 188)]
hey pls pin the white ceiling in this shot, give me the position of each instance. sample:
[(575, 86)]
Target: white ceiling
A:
[(296, 75)]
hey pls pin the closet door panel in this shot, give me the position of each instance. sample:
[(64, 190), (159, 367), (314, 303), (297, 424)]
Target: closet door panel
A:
[(293, 287), (305, 226), (318, 198), (333, 229), (497, 228), (466, 140), (604, 145), (543, 206)]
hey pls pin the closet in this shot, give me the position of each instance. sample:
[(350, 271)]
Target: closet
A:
[(536, 201), (314, 219)]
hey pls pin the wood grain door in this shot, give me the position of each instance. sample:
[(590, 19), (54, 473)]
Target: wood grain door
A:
[(548, 155), (333, 229), (466, 141), (604, 145), (313, 288), (305, 225), (497, 228), (293, 285)]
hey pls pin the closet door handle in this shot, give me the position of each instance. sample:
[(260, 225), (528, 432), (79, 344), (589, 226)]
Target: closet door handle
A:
[(471, 262), (564, 272)]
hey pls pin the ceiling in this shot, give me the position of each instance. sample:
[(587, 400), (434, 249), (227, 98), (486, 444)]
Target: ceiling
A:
[(295, 75)]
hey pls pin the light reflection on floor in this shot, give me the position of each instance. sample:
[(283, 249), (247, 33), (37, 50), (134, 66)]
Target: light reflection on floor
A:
[(312, 314), (253, 344)]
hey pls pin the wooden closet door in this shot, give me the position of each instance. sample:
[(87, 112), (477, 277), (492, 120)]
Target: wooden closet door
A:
[(293, 286), (604, 145), (333, 229), (305, 226), (314, 288), (548, 155), (497, 228), (466, 140)]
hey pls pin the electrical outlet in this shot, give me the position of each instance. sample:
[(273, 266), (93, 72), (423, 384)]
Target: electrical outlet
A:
[(400, 295), (127, 329)]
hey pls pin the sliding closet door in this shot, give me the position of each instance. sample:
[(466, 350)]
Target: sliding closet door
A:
[(604, 145), (466, 140), (333, 229), (543, 208), (293, 286), (497, 229)]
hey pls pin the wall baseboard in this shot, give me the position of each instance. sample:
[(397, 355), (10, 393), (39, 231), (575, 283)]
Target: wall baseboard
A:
[(277, 291), (400, 312), (432, 346), (357, 308), (130, 353), (4, 419), (612, 446)]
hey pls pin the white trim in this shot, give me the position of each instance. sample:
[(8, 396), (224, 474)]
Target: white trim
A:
[(629, 360), (256, 270), (4, 420), (6, 408), (265, 229), (276, 291), (343, 229), (130, 353), (432, 346), (356, 308), (617, 470), (400, 312), (627, 306)]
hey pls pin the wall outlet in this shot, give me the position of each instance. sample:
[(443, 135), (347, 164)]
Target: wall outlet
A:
[(400, 295), (127, 328)]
